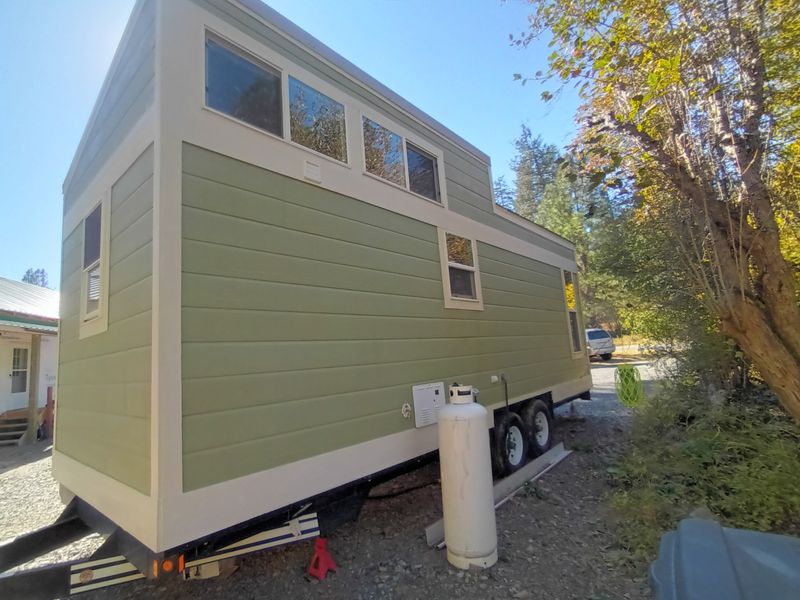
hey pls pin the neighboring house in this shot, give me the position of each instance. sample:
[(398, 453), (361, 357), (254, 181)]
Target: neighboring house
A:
[(28, 334)]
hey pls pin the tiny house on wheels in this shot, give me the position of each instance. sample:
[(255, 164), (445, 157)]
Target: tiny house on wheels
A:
[(273, 266)]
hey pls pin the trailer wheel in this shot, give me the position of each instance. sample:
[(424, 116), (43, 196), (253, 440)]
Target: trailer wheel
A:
[(509, 444), (539, 425)]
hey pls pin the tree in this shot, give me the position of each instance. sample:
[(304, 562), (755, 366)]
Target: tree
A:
[(694, 104), (535, 166), (36, 277), (503, 194)]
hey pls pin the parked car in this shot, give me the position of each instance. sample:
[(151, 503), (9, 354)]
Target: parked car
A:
[(600, 343)]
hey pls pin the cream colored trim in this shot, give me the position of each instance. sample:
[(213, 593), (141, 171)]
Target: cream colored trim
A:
[(104, 89), (444, 260), (97, 321), (130, 509), (501, 211), (167, 421), (580, 333), (138, 139)]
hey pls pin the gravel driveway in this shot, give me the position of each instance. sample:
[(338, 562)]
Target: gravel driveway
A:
[(555, 538)]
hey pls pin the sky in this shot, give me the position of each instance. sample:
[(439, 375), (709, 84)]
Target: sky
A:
[(451, 58)]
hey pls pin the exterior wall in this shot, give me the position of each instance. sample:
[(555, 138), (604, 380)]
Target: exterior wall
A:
[(468, 176), (103, 418), (308, 315), (126, 94)]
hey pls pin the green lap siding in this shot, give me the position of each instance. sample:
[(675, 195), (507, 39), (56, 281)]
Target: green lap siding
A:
[(104, 380), (307, 316)]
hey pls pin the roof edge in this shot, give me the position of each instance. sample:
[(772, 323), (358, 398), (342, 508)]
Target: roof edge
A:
[(104, 88), (277, 22)]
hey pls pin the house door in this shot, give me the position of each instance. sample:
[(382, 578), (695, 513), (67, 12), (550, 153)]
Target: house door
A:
[(19, 377)]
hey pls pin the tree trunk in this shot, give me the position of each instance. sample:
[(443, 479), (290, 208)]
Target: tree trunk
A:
[(750, 328)]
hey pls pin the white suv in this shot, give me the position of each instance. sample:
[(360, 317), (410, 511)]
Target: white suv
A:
[(599, 343)]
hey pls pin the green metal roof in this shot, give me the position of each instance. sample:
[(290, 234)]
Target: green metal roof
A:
[(28, 306)]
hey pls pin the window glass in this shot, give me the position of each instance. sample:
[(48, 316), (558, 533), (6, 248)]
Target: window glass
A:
[(316, 121), (571, 301), (573, 328), (91, 237), (462, 283), (422, 174), (243, 87), (459, 250), (19, 371), (383, 151)]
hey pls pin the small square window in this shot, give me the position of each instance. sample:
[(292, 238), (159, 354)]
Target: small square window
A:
[(462, 284), (316, 121), (383, 152), (240, 85), (423, 176)]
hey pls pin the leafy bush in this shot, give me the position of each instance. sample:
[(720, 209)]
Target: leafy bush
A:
[(738, 458)]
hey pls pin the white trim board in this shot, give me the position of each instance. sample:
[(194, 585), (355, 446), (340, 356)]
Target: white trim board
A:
[(130, 509)]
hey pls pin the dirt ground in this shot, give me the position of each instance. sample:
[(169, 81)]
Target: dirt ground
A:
[(555, 537)]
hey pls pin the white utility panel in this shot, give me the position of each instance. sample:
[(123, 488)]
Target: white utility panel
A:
[(428, 398)]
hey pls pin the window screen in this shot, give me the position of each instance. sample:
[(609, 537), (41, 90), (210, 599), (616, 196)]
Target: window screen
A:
[(243, 87), (316, 121)]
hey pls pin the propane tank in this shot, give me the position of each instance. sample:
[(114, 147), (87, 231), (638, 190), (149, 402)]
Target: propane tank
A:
[(470, 531)]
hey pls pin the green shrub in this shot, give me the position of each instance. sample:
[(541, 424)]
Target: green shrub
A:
[(740, 459)]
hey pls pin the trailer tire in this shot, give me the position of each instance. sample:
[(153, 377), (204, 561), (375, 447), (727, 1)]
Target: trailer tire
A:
[(509, 444), (538, 422)]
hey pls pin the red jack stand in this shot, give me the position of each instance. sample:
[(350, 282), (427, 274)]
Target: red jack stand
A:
[(321, 562)]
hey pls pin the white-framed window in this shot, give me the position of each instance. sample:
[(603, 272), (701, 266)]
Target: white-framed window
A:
[(317, 121), (461, 276), (395, 159), (94, 270), (19, 371), (243, 86), (571, 299)]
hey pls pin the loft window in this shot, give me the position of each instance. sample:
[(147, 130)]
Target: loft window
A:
[(383, 153), (316, 121), (423, 176), (460, 273), (92, 227), (240, 85), (390, 156), (571, 300)]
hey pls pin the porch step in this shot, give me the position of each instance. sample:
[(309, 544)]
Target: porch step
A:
[(11, 430)]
